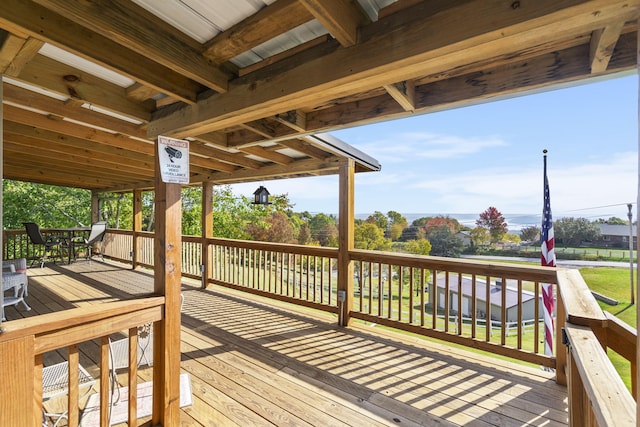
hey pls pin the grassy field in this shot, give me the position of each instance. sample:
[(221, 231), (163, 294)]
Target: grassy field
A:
[(614, 283)]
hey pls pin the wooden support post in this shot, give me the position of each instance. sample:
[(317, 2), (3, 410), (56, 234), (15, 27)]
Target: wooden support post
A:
[(137, 227), (167, 274), (17, 403), (207, 230), (345, 246), (95, 207), (561, 354)]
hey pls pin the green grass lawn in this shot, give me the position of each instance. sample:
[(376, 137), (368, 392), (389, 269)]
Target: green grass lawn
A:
[(614, 283)]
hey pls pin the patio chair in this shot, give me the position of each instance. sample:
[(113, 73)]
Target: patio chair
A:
[(96, 235), (55, 382), (119, 357), (50, 246), (11, 279), (20, 266)]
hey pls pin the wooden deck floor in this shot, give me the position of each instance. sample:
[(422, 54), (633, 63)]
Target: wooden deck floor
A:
[(255, 363)]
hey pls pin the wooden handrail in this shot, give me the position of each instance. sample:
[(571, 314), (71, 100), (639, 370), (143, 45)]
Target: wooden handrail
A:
[(596, 392), (23, 343), (51, 323), (581, 307)]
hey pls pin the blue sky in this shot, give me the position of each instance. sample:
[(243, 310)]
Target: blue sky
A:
[(467, 159)]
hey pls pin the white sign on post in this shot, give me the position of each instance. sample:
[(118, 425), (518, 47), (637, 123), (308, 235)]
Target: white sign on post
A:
[(173, 156)]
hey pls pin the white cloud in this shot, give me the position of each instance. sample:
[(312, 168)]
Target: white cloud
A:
[(608, 181), (411, 145)]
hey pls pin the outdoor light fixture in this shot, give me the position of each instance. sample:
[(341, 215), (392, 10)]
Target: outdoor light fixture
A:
[(261, 196)]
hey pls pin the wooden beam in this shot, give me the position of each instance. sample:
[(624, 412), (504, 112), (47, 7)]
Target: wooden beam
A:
[(340, 17), (272, 156), (269, 22), (239, 159), (346, 240), (207, 231), (68, 81), (31, 19), (295, 119), (130, 25), (603, 41), (404, 46), (28, 98), (404, 93), (306, 148), (167, 282), (304, 167), (27, 49), (137, 227), (42, 123)]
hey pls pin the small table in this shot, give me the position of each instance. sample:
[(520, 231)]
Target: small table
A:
[(67, 235), (55, 382)]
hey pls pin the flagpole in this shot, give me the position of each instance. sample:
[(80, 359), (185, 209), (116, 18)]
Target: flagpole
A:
[(547, 258)]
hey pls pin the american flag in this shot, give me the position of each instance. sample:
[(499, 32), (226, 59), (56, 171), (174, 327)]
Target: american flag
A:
[(547, 258)]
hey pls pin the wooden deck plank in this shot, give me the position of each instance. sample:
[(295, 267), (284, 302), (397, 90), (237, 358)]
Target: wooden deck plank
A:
[(257, 362)]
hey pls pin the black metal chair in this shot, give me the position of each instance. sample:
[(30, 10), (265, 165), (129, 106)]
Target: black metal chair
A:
[(96, 235), (50, 246)]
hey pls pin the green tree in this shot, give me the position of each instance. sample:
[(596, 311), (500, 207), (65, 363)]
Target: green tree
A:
[(480, 237), (445, 243), (47, 205), (494, 221), (396, 218), (574, 231), (395, 231), (530, 234), (379, 219), (418, 247), (370, 236), (323, 229)]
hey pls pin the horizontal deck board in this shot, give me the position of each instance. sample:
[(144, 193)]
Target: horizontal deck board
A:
[(258, 362)]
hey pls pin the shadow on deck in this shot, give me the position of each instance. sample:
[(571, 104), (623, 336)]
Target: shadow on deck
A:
[(257, 362)]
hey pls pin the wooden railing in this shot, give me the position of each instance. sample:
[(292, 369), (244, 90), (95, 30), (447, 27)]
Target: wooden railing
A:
[(23, 343), (421, 295), (304, 275), (597, 394), (447, 298)]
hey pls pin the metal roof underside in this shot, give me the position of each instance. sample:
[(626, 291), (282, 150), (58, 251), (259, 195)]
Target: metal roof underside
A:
[(256, 85)]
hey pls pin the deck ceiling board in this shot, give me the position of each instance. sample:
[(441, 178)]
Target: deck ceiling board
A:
[(250, 82)]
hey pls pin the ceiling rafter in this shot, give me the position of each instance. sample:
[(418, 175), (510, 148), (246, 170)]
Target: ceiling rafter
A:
[(25, 50), (404, 93), (31, 19), (68, 81), (272, 156), (269, 22), (340, 18), (603, 41), (380, 61), (295, 119), (130, 25)]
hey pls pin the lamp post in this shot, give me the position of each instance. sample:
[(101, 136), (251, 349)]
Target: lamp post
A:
[(630, 216)]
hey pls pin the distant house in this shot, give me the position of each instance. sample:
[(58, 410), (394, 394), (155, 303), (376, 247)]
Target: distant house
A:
[(615, 236), (495, 299), (465, 237)]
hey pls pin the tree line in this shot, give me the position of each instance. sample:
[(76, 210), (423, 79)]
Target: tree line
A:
[(236, 217)]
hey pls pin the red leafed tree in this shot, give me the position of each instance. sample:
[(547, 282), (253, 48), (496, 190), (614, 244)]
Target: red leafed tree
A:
[(277, 228), (440, 222), (493, 220)]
